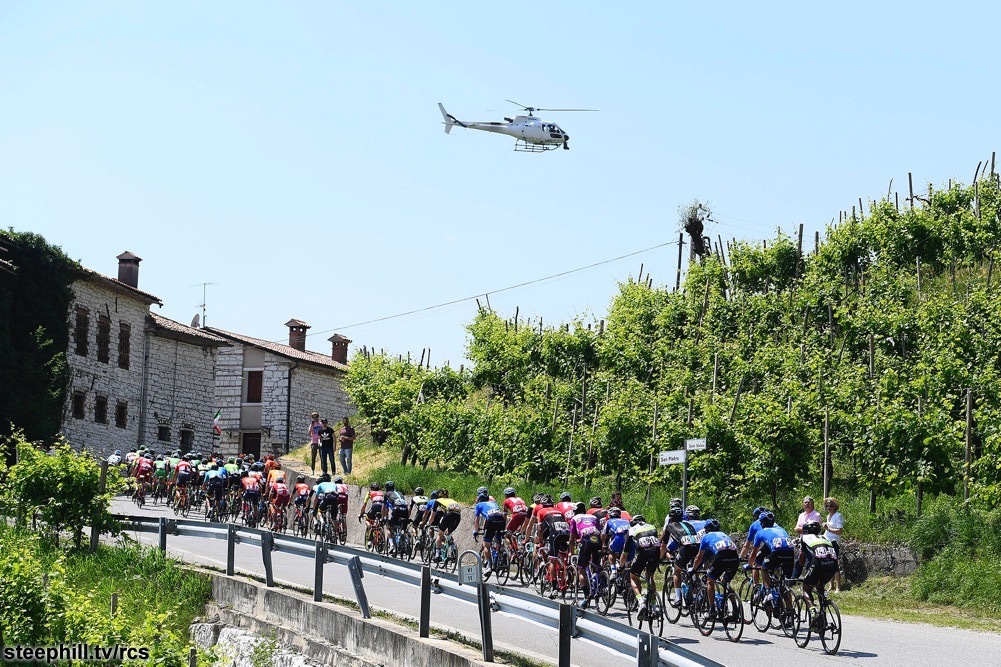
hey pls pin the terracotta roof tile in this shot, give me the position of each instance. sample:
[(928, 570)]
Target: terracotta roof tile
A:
[(284, 350)]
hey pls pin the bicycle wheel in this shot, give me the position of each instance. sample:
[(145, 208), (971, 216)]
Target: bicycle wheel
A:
[(703, 616), (185, 506), (786, 616), (654, 611), (541, 585), (632, 607), (670, 601), (342, 530), (576, 591), (451, 555), (761, 608), (733, 615), (369, 539), (502, 568), (830, 630), (802, 629), (605, 595)]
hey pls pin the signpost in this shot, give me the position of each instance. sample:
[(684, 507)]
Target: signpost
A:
[(672, 457)]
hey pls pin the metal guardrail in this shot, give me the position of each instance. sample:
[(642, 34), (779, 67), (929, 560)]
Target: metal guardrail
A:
[(650, 651)]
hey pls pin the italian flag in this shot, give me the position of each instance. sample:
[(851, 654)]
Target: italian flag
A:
[(215, 422)]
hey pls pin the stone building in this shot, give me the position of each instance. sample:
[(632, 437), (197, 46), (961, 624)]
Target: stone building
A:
[(267, 390), (180, 386), (104, 400), (138, 378)]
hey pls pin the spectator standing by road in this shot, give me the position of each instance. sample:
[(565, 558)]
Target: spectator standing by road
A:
[(327, 448), (809, 513), (314, 439), (833, 527), (346, 437)]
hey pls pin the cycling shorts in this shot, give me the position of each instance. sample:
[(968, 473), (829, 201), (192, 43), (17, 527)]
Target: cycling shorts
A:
[(646, 561), (590, 550), (782, 559), (558, 543), (724, 564), (819, 572), (325, 502), (685, 555), (374, 512), (183, 478), (517, 520), (217, 492), (450, 522), (251, 496), (493, 529)]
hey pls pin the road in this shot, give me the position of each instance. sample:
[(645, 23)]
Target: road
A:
[(868, 642)]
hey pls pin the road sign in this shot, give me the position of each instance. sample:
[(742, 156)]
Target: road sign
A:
[(695, 444), (469, 574), (672, 457)]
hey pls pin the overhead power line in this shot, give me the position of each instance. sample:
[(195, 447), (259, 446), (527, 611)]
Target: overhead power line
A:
[(496, 291)]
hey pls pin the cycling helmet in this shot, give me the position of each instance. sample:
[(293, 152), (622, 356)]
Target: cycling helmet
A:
[(811, 527), (482, 490), (547, 500), (675, 515), (259, 466), (509, 491), (757, 511), (434, 495), (580, 508), (300, 479), (118, 452), (712, 525), (205, 461), (766, 519), (337, 480), (148, 456), (676, 502), (390, 485), (419, 491), (565, 496), (639, 518), (483, 497), (160, 457), (325, 477), (231, 459), (596, 501), (614, 512), (213, 466), (693, 512), (374, 486), (443, 493), (537, 498), (244, 473)]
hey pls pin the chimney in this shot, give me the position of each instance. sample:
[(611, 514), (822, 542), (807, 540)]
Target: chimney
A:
[(340, 348), (128, 269), (297, 334)]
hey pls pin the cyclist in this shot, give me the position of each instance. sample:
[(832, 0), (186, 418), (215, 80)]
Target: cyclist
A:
[(274, 475), (251, 490), (277, 495), (214, 485), (682, 541), (642, 536), (182, 475), (342, 496), (752, 531), (725, 559), (532, 521), (395, 511), (271, 464), (821, 559), (130, 457), (772, 549), (143, 473), (301, 493), (488, 514), (614, 535), (516, 508), (596, 509), (159, 471), (115, 458), (325, 497), (444, 514), (567, 506), (418, 505), (555, 529), (584, 528), (373, 515)]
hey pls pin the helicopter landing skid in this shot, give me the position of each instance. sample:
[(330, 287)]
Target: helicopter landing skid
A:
[(523, 146)]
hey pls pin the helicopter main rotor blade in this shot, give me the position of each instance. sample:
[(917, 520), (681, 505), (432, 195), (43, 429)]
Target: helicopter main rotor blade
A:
[(541, 109)]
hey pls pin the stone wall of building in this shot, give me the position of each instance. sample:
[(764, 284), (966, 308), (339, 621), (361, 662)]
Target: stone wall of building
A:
[(180, 395), (315, 390), (94, 379), (228, 396)]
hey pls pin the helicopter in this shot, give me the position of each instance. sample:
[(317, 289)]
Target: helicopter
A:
[(531, 133)]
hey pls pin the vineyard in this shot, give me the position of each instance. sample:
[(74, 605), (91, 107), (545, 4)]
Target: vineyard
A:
[(881, 346)]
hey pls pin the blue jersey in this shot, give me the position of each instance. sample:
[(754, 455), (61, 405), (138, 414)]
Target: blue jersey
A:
[(616, 530), (699, 525), (753, 530), (488, 509), (323, 488), (775, 537), (210, 474), (716, 541)]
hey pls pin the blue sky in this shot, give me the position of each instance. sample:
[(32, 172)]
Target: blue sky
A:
[(292, 154)]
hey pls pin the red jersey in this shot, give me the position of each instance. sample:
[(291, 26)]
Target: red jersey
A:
[(569, 509), (182, 466), (302, 490), (515, 505), (376, 497), (271, 464), (280, 490), (251, 484), (542, 512), (144, 467)]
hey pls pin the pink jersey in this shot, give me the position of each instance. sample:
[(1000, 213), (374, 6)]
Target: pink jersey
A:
[(583, 525)]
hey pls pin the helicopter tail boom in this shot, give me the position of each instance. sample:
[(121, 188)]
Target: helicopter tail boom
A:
[(450, 120)]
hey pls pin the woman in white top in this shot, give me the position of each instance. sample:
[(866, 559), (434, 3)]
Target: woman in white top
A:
[(833, 528)]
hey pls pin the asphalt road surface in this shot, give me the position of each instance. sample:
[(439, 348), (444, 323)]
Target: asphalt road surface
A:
[(867, 642)]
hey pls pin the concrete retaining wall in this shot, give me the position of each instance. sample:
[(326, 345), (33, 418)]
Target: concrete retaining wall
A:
[(327, 634)]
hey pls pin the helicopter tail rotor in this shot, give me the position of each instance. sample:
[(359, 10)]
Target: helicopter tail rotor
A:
[(450, 120)]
